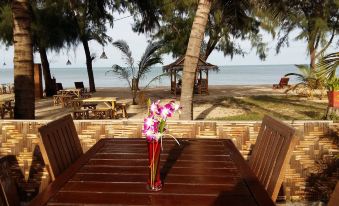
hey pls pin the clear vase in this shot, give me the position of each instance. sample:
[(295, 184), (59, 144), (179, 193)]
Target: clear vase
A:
[(154, 181)]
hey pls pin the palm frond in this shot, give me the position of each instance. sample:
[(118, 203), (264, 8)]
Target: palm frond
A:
[(149, 58), (159, 78), (122, 72), (150, 53), (328, 65), (124, 48)]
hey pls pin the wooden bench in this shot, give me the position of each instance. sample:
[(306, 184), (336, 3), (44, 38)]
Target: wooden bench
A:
[(123, 108), (60, 145), (64, 100), (102, 113), (80, 114), (271, 154)]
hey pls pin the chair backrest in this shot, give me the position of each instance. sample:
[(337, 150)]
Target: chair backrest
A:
[(284, 81), (334, 200), (79, 85), (60, 145), (59, 86), (271, 153), (8, 190)]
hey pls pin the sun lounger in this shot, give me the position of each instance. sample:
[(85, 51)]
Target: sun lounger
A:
[(282, 84)]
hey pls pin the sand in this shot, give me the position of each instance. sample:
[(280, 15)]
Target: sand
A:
[(205, 106)]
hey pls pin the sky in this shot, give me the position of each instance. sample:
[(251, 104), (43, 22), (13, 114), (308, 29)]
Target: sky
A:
[(294, 54)]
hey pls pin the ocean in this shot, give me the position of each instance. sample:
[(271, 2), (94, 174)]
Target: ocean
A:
[(227, 75)]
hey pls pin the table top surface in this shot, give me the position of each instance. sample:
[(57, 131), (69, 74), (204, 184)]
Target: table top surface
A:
[(100, 99), (198, 172)]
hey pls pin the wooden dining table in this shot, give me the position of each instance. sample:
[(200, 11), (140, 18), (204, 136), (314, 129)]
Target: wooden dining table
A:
[(196, 172)]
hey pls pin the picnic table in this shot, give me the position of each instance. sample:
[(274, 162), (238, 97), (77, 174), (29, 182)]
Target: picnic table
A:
[(196, 172), (110, 102), (71, 92)]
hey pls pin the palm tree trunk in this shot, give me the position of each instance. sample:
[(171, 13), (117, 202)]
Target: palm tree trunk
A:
[(89, 65), (23, 61), (192, 57), (312, 56), (49, 88)]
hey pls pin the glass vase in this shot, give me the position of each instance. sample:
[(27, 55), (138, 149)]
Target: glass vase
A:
[(154, 181)]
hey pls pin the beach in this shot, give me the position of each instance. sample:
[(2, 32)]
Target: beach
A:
[(222, 102)]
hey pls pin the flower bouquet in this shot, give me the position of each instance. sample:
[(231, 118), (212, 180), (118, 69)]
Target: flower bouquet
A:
[(154, 129)]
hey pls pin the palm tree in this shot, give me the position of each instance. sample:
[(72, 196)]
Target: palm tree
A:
[(23, 61), (191, 58), (52, 29), (132, 74), (92, 16)]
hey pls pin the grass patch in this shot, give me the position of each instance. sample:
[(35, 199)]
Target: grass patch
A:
[(283, 107)]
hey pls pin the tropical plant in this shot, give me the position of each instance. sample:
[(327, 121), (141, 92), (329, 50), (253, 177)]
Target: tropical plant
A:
[(228, 20), (92, 16), (333, 84), (316, 20), (130, 72), (52, 29), (309, 81)]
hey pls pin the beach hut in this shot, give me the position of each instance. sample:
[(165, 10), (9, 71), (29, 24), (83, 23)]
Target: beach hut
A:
[(201, 76)]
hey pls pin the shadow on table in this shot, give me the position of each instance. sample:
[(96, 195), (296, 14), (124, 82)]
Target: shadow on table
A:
[(173, 155)]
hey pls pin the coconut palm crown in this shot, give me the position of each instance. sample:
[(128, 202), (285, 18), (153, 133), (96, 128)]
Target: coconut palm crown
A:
[(131, 73)]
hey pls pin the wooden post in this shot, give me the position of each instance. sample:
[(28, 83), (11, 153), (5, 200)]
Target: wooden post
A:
[(175, 82), (38, 90), (207, 81)]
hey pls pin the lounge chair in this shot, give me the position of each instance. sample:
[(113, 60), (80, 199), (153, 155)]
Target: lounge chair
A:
[(80, 85), (282, 84), (59, 86)]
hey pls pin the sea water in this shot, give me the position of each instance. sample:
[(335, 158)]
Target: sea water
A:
[(227, 75)]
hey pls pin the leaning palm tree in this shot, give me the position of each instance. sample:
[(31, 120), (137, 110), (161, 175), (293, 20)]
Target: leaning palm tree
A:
[(23, 61), (133, 74), (192, 57)]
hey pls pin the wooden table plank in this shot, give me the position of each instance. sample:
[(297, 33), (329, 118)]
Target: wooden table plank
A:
[(66, 198), (198, 172)]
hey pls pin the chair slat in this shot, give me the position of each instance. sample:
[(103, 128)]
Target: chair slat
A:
[(60, 145), (271, 154)]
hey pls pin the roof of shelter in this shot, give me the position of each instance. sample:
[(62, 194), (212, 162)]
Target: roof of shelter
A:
[(179, 65)]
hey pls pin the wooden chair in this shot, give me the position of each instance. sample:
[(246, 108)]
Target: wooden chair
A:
[(282, 84), (60, 145), (80, 85), (334, 200), (8, 190), (271, 153)]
